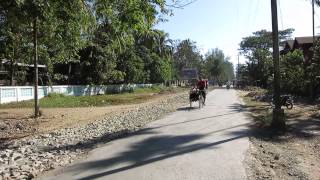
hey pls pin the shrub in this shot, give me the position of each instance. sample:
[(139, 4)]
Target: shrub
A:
[(56, 95)]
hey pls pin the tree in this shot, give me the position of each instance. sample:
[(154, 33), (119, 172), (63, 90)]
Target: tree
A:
[(56, 28), (155, 48), (218, 66), (186, 55), (293, 73), (313, 71), (257, 49), (242, 75), (125, 36)]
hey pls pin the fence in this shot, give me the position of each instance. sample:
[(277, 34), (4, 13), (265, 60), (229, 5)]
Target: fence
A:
[(21, 93)]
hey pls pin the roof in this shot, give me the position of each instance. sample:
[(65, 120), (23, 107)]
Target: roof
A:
[(4, 61), (290, 43), (305, 39)]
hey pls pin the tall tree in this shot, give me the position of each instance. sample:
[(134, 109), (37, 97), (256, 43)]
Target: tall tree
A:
[(186, 55), (217, 66), (53, 26), (293, 73), (257, 49)]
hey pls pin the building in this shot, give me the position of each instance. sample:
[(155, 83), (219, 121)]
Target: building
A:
[(304, 44), (24, 73)]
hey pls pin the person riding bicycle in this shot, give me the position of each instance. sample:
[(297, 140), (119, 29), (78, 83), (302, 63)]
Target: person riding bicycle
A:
[(202, 85)]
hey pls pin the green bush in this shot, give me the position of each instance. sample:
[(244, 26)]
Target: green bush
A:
[(56, 95), (293, 75)]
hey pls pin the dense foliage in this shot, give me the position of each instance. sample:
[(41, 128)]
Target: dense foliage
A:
[(218, 67), (214, 65), (99, 42), (298, 76), (257, 49), (313, 71), (293, 73)]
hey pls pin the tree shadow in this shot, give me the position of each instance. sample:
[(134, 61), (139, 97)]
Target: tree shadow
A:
[(297, 125), (304, 128), (107, 137), (198, 119), (94, 142), (151, 150)]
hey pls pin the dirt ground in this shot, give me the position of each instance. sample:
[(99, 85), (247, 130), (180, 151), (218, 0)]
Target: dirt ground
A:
[(17, 123), (294, 154)]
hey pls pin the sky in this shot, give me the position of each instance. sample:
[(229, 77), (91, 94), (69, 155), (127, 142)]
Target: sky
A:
[(223, 23)]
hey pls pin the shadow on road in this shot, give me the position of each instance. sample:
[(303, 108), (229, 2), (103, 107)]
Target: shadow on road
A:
[(198, 119), (188, 108), (91, 143), (152, 150)]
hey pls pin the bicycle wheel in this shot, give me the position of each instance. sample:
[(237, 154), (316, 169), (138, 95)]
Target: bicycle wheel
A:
[(289, 105), (200, 101)]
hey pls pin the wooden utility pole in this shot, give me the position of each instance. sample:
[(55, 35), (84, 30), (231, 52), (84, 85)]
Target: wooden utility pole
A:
[(238, 73), (313, 45), (35, 43), (278, 113), (238, 68), (313, 34)]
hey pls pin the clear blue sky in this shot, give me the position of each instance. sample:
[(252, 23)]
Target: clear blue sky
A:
[(223, 23)]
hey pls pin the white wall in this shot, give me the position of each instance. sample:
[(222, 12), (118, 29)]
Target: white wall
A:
[(21, 93)]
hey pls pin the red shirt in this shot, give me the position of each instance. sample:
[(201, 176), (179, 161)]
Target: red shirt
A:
[(201, 84)]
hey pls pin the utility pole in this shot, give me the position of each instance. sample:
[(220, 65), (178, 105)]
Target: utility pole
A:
[(278, 113), (238, 73), (35, 43), (313, 45), (313, 34)]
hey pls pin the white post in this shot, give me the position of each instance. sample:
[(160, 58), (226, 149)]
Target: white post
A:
[(17, 93)]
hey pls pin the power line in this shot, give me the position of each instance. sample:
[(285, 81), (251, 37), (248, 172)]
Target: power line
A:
[(280, 12), (249, 14), (256, 11)]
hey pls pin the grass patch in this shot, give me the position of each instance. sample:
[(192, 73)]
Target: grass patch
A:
[(261, 112), (55, 100)]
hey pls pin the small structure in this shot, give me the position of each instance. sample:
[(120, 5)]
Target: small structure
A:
[(28, 73), (190, 74)]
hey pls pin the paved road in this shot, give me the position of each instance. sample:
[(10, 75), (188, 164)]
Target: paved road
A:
[(189, 144)]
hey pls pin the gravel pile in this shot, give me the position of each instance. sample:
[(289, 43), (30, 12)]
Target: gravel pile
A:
[(27, 157)]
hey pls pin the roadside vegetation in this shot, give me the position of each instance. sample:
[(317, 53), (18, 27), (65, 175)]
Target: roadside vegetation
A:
[(293, 154), (55, 100), (299, 74), (99, 42)]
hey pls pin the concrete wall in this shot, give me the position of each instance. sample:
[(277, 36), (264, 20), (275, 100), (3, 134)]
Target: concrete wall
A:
[(21, 93)]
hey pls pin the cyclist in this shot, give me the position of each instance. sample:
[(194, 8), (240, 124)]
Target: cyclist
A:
[(202, 85)]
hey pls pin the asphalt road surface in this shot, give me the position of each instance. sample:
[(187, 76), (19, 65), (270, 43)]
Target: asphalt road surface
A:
[(189, 144)]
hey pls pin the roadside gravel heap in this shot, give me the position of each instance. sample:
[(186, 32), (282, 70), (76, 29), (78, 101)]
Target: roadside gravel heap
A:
[(27, 157)]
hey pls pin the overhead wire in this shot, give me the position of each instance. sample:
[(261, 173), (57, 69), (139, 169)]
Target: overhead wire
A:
[(256, 12), (249, 16), (280, 13)]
